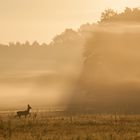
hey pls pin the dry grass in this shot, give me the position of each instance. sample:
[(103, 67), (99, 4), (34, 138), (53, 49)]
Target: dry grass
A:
[(70, 126)]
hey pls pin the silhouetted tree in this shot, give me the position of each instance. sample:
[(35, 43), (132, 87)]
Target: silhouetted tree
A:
[(11, 44), (108, 14), (35, 44), (27, 44), (18, 44), (66, 36), (129, 15)]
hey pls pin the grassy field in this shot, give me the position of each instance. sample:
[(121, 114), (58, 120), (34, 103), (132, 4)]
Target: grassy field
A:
[(70, 126)]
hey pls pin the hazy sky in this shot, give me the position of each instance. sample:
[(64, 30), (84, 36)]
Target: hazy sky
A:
[(41, 20)]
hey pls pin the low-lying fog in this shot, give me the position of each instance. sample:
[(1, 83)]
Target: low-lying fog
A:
[(98, 66), (40, 75)]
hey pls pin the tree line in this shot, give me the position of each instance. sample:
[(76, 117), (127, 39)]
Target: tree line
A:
[(128, 15)]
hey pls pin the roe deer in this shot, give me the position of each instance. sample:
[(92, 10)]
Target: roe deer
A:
[(25, 112)]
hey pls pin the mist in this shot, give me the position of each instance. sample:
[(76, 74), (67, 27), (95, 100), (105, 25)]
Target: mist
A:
[(110, 79), (42, 75), (94, 68)]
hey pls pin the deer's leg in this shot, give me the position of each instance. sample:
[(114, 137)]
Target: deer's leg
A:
[(29, 114)]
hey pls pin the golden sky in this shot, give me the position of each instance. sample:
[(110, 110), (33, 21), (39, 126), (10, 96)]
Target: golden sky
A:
[(41, 20)]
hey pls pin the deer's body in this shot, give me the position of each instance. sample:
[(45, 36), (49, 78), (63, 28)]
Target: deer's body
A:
[(25, 112)]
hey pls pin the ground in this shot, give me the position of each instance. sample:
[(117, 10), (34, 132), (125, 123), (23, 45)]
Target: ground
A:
[(70, 126)]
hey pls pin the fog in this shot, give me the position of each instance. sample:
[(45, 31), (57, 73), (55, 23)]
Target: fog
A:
[(94, 68), (40, 75), (110, 79)]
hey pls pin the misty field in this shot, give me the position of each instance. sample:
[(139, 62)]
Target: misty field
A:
[(70, 126)]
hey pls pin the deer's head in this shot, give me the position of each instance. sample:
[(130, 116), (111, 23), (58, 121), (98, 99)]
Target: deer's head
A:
[(29, 107)]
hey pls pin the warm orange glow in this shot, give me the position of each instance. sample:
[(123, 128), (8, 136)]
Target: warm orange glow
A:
[(42, 19)]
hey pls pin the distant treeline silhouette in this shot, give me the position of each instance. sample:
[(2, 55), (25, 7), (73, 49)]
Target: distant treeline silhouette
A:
[(27, 44), (68, 36), (109, 15), (128, 15)]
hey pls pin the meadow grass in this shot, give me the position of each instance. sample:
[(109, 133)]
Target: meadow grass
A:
[(70, 126)]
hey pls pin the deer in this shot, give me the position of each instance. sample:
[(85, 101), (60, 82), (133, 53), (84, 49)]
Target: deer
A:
[(25, 112)]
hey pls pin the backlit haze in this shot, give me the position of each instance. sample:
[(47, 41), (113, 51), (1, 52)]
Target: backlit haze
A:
[(70, 53)]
